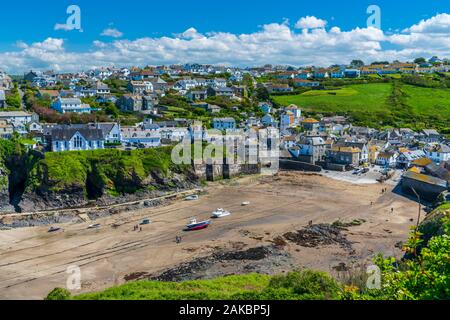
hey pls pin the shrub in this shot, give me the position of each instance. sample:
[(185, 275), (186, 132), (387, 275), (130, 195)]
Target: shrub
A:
[(307, 284), (58, 294)]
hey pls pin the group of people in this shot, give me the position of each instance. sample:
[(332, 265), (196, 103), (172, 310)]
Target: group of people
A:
[(137, 228)]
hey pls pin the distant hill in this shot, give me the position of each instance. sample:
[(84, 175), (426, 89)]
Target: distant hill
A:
[(379, 104)]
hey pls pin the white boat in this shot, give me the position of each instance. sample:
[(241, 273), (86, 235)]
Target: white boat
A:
[(220, 213), (191, 198), (94, 226), (245, 203)]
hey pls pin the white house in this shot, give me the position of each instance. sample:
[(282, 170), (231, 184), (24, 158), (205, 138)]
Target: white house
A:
[(34, 126), (139, 135), (407, 157), (17, 117), (64, 105), (386, 159), (174, 134), (102, 89), (111, 131), (76, 138), (439, 153)]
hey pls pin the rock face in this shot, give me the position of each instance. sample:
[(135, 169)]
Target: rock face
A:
[(263, 260), (40, 201), (154, 185), (4, 191)]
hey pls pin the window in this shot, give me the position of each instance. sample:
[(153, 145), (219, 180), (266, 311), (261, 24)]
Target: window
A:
[(78, 142)]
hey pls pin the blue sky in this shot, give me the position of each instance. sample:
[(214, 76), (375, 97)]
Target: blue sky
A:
[(34, 21), (31, 21)]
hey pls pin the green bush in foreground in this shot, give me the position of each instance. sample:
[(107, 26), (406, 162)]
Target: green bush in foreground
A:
[(58, 294)]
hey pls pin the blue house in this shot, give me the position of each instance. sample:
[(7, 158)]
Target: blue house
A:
[(352, 73), (265, 107), (305, 83)]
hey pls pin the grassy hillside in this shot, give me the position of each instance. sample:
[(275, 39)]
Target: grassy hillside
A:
[(368, 97), (380, 104), (428, 101), (110, 170)]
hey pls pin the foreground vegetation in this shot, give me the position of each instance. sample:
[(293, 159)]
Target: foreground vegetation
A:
[(424, 274)]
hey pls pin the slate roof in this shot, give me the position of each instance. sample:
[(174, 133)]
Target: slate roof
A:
[(66, 132)]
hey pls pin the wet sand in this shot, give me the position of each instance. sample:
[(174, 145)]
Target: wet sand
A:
[(33, 262)]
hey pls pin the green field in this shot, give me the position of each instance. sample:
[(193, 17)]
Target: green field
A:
[(379, 104), (428, 101), (368, 97)]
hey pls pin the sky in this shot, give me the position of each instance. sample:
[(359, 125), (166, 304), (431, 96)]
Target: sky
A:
[(34, 35)]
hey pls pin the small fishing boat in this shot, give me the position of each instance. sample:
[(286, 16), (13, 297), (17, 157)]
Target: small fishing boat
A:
[(245, 203), (145, 222), (220, 213), (191, 198), (54, 229), (94, 226), (194, 225)]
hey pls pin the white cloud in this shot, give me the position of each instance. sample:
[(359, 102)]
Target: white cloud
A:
[(310, 22), (437, 24), (274, 43), (112, 32)]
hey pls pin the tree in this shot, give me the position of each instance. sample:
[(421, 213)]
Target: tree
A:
[(357, 63), (420, 60), (262, 94), (379, 62)]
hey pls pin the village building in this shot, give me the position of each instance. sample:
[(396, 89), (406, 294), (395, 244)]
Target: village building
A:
[(427, 187), (343, 156), (2, 99), (76, 138), (224, 123), (18, 116), (64, 105), (195, 95), (407, 157), (6, 129), (140, 135), (439, 153), (387, 159), (220, 91), (310, 149), (310, 124)]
